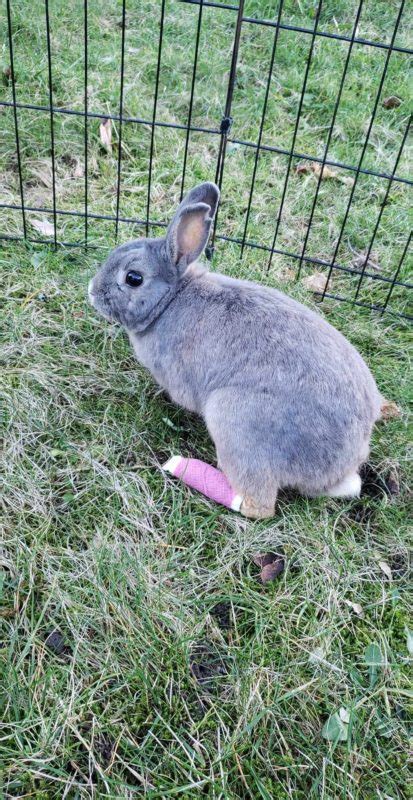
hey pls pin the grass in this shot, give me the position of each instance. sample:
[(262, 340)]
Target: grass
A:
[(180, 673), (141, 655)]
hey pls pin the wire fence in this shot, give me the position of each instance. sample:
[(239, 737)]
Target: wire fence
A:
[(355, 275)]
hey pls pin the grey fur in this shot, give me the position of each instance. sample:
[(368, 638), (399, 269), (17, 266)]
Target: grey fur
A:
[(287, 399)]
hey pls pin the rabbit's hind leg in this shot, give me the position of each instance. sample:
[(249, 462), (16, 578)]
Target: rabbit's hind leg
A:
[(251, 509), (241, 455)]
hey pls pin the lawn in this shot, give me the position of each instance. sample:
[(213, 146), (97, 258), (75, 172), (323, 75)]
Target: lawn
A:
[(141, 654)]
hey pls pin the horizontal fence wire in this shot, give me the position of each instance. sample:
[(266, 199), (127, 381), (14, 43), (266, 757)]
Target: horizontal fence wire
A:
[(103, 115), (225, 129), (220, 237)]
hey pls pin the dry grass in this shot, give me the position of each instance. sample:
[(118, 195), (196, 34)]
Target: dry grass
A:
[(172, 670)]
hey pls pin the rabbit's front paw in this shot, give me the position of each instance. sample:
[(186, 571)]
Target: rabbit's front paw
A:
[(253, 510)]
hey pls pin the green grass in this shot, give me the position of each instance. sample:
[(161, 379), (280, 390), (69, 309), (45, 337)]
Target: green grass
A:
[(173, 671), (131, 567)]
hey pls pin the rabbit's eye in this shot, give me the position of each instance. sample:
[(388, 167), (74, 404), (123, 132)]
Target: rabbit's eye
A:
[(134, 278)]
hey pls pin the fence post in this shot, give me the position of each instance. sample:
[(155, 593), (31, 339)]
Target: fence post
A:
[(226, 121)]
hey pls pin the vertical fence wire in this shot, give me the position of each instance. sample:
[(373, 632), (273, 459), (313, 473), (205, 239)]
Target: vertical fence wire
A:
[(122, 76), (191, 99), (155, 105), (396, 274), (363, 151), (52, 141), (297, 122), (264, 111), (227, 120), (329, 135), (16, 124), (85, 102), (382, 207)]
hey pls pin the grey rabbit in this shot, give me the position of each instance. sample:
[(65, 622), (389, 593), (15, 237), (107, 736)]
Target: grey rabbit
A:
[(287, 400)]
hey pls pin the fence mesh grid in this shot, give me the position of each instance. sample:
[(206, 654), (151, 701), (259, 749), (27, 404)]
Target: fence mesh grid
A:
[(291, 206)]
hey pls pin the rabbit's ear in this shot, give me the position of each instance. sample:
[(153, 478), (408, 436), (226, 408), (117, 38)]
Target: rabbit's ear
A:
[(189, 230)]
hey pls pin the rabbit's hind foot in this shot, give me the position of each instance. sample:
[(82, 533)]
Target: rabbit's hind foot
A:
[(350, 486), (254, 510)]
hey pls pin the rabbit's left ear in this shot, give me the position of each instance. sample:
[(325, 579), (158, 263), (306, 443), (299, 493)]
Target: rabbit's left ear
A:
[(189, 230)]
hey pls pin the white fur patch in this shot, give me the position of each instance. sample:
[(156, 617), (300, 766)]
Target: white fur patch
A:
[(349, 487), (89, 291)]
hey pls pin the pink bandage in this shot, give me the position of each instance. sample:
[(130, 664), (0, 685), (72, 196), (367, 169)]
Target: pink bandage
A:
[(206, 479)]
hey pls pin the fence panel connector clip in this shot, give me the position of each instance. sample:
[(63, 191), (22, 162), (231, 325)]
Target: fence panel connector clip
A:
[(226, 124)]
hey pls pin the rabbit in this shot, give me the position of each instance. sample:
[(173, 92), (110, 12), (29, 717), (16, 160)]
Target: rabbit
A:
[(287, 400)]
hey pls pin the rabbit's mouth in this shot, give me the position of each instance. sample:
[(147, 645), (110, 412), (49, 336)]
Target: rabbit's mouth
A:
[(99, 304)]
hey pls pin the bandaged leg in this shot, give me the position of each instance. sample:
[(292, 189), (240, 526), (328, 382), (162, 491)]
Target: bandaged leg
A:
[(206, 479)]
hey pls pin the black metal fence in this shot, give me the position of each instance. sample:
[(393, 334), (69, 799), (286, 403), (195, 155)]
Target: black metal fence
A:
[(353, 275)]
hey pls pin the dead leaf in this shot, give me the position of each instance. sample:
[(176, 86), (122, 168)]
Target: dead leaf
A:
[(303, 169), (356, 607), (389, 410), (271, 565), (386, 569), (271, 571), (359, 260), (328, 174), (105, 131), (391, 102), (316, 282), (262, 559), (43, 226)]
